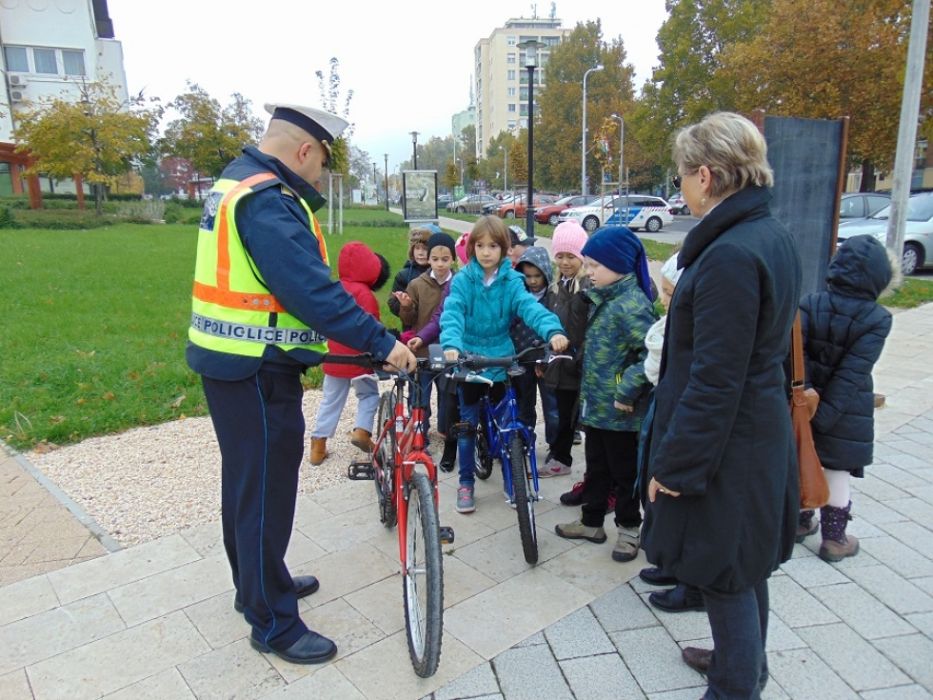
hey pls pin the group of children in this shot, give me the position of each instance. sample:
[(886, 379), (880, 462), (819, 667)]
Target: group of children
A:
[(598, 307)]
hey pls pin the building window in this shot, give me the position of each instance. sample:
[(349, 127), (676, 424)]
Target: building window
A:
[(511, 107), (45, 61), (510, 91), (524, 111), (510, 74), (510, 58), (73, 62), (524, 94), (511, 124), (510, 40), (16, 60)]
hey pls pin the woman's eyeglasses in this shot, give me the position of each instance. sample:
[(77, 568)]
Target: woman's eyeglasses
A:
[(675, 181)]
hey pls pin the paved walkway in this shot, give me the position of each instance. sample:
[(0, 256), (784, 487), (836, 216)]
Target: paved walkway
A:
[(156, 620)]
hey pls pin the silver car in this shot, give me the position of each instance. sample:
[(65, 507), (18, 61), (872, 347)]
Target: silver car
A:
[(918, 236)]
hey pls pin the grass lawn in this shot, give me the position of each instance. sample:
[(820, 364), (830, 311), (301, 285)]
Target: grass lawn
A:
[(96, 323)]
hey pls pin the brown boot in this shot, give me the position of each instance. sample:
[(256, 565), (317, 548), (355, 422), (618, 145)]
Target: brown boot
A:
[(361, 439), (318, 451), (837, 545), (806, 526)]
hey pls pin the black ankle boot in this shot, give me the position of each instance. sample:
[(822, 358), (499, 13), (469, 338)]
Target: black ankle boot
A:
[(450, 455)]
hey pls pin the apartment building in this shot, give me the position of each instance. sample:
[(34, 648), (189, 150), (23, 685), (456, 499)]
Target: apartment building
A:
[(46, 49), (501, 78)]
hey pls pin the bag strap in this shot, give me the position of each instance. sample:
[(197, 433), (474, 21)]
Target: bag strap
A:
[(796, 354)]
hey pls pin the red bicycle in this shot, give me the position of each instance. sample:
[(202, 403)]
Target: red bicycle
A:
[(406, 487)]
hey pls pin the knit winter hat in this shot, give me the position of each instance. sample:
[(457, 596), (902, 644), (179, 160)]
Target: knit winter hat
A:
[(621, 251), (417, 236), (569, 237), (442, 239)]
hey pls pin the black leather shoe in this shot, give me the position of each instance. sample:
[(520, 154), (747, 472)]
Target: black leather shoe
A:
[(311, 648), (304, 585), (678, 599), (653, 575), (697, 659)]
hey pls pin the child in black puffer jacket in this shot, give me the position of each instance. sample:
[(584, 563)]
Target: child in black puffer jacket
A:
[(844, 330)]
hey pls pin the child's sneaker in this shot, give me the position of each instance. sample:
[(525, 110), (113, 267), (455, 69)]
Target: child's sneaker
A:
[(626, 547), (574, 496), (465, 501), (578, 531), (553, 467)]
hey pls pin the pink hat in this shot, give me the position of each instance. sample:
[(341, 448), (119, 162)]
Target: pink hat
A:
[(569, 237), (461, 247)]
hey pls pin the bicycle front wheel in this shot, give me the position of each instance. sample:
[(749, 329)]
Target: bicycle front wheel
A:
[(423, 578), (524, 504)]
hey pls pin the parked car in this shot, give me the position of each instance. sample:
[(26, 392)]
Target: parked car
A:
[(678, 205), (502, 198), (918, 235), (858, 205), (473, 203), (443, 200), (517, 208), (635, 211), (549, 213)]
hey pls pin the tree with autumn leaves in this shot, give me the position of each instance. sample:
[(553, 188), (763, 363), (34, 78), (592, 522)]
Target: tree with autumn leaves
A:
[(98, 137), (801, 58)]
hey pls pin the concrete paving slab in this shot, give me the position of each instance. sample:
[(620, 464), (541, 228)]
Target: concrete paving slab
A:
[(578, 634), (861, 665), (801, 673), (481, 681), (912, 653), (602, 676), (515, 666), (653, 657)]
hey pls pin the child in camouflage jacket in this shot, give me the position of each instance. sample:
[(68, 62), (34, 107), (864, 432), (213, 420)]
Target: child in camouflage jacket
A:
[(614, 385)]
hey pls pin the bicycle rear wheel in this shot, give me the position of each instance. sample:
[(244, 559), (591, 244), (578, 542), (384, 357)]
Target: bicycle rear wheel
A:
[(385, 457), (524, 505), (423, 579), (483, 463)]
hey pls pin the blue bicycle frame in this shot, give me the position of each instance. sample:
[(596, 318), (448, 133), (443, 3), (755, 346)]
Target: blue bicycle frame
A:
[(499, 423)]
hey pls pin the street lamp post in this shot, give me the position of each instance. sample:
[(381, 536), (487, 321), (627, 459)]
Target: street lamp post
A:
[(530, 47), (622, 160), (583, 182), (414, 150), (505, 169), (386, 173)]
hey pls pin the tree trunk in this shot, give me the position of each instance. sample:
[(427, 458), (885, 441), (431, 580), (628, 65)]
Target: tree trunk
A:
[(868, 177)]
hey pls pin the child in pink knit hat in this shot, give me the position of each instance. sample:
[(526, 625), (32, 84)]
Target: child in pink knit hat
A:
[(570, 305)]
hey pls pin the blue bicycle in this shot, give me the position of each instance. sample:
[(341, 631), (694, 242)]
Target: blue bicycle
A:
[(501, 435)]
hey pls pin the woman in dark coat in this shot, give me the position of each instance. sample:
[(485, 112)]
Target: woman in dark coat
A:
[(844, 330), (723, 490)]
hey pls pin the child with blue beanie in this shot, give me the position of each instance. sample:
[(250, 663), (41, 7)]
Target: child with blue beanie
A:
[(614, 385)]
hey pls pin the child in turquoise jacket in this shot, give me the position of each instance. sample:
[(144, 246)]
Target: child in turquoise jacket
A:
[(484, 298)]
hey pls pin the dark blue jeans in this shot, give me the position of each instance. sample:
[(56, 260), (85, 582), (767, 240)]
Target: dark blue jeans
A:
[(739, 669)]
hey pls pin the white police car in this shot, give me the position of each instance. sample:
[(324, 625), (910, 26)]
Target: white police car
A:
[(635, 211)]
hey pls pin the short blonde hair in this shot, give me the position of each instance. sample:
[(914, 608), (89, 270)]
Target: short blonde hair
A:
[(729, 145), (493, 227)]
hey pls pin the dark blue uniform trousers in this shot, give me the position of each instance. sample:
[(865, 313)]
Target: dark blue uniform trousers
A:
[(260, 429)]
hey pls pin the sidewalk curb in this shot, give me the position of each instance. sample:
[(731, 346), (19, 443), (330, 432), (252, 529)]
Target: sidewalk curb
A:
[(110, 544)]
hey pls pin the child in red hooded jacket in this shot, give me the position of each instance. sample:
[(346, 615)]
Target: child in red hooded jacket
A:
[(361, 272)]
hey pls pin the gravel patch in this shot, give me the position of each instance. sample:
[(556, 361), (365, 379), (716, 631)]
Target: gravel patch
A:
[(149, 482)]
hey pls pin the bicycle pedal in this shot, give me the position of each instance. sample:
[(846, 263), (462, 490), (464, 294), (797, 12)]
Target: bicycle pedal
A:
[(447, 534), (360, 471)]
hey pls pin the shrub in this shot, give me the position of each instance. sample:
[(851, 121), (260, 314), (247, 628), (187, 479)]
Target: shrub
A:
[(6, 218), (62, 219), (144, 211)]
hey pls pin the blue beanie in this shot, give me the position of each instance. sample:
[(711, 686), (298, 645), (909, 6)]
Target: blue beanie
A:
[(621, 251)]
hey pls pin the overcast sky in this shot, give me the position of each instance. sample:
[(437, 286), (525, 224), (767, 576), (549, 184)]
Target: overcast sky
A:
[(408, 62)]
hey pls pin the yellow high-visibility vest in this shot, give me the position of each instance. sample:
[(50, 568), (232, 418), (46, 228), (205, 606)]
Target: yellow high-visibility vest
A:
[(232, 309)]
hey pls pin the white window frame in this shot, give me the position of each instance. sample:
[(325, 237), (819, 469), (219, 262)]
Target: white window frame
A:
[(59, 54)]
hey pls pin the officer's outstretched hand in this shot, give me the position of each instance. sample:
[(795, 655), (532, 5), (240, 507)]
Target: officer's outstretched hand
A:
[(401, 358)]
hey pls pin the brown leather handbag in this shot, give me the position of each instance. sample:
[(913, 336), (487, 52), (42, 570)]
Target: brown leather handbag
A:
[(814, 491)]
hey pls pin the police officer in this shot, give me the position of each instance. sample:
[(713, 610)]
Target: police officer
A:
[(263, 304)]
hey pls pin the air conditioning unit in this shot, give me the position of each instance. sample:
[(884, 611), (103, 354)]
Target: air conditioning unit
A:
[(17, 81), (17, 95)]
